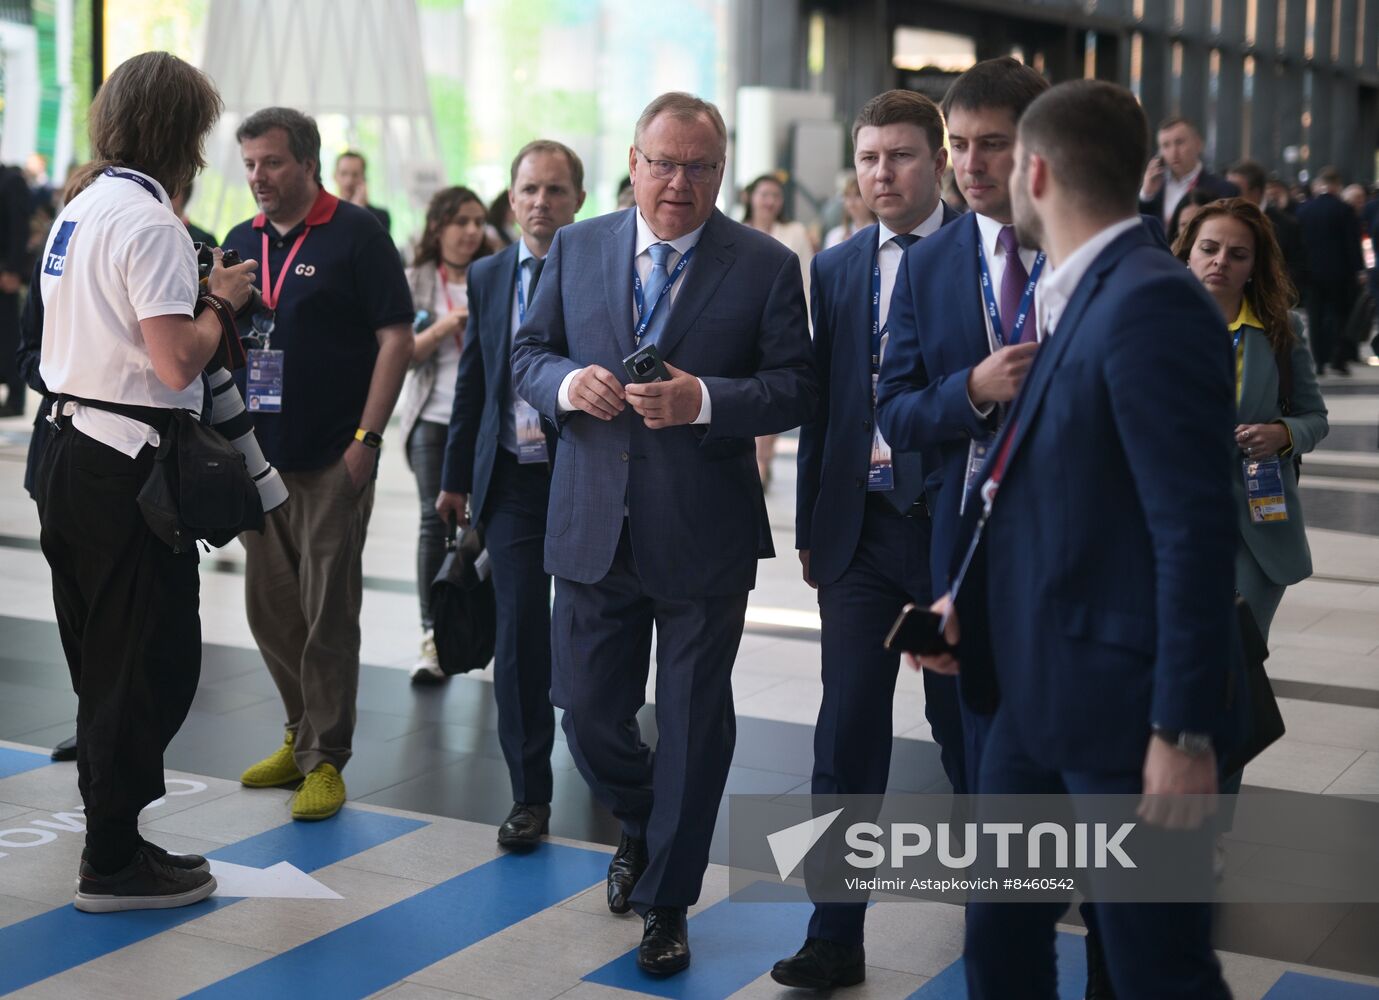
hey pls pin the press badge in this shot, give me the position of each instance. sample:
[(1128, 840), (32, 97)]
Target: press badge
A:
[(263, 385), (880, 473), (531, 439), (1264, 490), (976, 458)]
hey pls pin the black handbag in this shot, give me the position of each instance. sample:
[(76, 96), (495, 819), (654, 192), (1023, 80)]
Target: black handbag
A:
[(463, 607), (1265, 721)]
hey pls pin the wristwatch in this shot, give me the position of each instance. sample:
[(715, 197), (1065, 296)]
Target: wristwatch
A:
[(1192, 744), (370, 439)]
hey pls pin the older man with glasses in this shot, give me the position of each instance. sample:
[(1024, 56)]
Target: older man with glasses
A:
[(657, 516)]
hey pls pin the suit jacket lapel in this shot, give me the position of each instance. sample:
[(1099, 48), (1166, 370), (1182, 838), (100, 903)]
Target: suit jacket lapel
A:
[(859, 276), (619, 244), (712, 258), (969, 291), (500, 332), (1259, 359)]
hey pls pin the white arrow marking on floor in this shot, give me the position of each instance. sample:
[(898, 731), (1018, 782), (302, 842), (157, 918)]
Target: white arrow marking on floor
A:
[(789, 846), (281, 881)]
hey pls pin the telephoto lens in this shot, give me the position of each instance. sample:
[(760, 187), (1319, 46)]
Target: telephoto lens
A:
[(232, 421)]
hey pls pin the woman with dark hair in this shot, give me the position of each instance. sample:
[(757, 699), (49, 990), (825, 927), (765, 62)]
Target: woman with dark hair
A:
[(765, 201), (1193, 202), (502, 230), (452, 240), (1229, 245), (123, 347)]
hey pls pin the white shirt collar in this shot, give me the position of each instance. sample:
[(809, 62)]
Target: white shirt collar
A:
[(1192, 176), (928, 227), (990, 231), (524, 253), (1057, 288), (645, 237)]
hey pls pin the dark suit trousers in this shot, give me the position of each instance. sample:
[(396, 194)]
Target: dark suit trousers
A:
[(1153, 950), (852, 740), (602, 646), (1328, 310), (127, 614), (514, 523)]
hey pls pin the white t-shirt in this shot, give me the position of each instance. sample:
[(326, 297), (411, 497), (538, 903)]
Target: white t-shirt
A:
[(442, 399), (116, 255)]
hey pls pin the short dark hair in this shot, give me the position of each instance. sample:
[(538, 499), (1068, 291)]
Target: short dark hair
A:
[(303, 137), (1004, 83), (549, 146), (1330, 176), (1250, 172), (751, 189), (902, 107), (1173, 120), (1096, 139), (153, 114), (353, 154)]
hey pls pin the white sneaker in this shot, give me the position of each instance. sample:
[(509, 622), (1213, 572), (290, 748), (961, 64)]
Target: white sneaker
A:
[(428, 668)]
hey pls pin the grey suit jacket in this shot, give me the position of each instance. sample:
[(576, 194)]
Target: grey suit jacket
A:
[(1280, 547), (694, 506)]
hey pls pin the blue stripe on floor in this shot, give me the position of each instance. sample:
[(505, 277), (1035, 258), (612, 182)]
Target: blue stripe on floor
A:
[(731, 944), (61, 939), (1298, 986), (951, 983), (18, 761), (374, 953)]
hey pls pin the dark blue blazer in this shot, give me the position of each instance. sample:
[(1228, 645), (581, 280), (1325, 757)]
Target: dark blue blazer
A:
[(1217, 187), (1332, 236), (1109, 556), (835, 447), (483, 387), (694, 506)]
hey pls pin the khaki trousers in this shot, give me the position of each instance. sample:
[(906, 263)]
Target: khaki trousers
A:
[(304, 586)]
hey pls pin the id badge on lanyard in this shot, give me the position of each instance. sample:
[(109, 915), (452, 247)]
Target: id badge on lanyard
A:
[(531, 438), (880, 470), (264, 382), (1264, 490), (980, 448)]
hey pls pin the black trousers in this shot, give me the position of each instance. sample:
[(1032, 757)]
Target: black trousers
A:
[(1328, 311), (426, 453), (514, 523), (9, 348), (127, 613)]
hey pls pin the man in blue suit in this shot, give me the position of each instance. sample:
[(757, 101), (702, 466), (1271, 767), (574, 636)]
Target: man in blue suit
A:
[(657, 515), (497, 470), (950, 369), (862, 521), (1107, 551)]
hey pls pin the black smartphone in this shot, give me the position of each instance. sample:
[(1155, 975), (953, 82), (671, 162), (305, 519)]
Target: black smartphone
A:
[(423, 320), (645, 365), (919, 631)]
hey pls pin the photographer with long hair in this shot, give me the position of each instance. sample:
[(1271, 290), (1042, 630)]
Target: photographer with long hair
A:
[(119, 289)]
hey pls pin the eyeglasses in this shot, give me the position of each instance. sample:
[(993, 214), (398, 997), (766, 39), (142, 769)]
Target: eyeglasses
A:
[(696, 173)]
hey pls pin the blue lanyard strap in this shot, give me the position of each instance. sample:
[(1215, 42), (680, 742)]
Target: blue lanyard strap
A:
[(125, 175), (876, 330), (521, 292), (1239, 332), (1026, 300), (642, 311)]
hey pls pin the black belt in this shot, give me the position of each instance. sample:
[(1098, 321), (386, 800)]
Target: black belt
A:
[(878, 502)]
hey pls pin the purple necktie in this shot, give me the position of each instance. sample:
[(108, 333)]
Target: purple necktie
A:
[(1012, 283)]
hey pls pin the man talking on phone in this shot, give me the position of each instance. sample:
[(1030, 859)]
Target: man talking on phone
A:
[(657, 516)]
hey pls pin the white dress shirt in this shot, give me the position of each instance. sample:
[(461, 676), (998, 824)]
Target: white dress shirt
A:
[(1175, 190), (888, 255), (1057, 289), (641, 260)]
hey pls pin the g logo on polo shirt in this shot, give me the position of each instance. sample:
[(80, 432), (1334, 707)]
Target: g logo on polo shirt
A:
[(305, 270), (56, 261)]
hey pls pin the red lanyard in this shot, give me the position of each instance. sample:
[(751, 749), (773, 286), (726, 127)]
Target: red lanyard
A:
[(270, 298), (449, 304)]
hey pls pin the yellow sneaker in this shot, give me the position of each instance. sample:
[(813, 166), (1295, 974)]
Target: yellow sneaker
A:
[(321, 795), (279, 768)]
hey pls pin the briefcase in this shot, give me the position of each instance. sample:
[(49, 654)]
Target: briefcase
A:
[(1265, 721), (463, 607)]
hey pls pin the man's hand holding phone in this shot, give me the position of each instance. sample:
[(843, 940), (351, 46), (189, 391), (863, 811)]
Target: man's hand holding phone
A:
[(929, 639)]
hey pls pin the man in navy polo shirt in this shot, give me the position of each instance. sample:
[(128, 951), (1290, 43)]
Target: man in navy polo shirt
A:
[(336, 340)]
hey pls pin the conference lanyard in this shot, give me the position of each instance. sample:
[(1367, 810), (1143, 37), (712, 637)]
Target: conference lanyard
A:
[(1026, 300), (449, 304), (642, 311), (272, 291), (522, 293), (126, 176), (876, 315)]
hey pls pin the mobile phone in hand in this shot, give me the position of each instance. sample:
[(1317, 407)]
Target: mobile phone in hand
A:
[(645, 365), (918, 631)]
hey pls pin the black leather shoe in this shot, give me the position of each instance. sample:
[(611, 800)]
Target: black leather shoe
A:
[(66, 750), (665, 942), (524, 827), (822, 965), (1098, 976), (623, 871)]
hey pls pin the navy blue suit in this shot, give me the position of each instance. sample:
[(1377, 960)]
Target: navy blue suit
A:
[(1108, 561), (867, 559), (661, 527), (509, 501)]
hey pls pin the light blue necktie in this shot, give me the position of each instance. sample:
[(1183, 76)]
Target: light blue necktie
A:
[(660, 255)]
